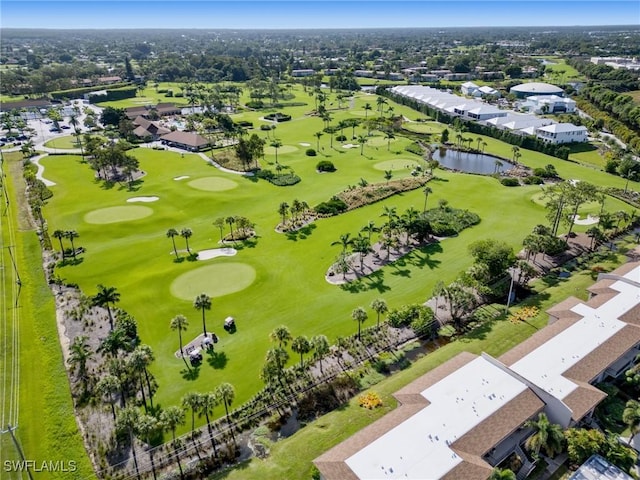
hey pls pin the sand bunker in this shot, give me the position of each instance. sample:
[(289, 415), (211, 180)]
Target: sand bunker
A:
[(585, 221), (350, 145), (181, 177), (216, 252), (304, 144), (143, 199)]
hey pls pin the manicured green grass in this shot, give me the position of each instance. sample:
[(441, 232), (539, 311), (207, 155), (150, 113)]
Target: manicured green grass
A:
[(213, 184), (588, 155), (65, 142), (289, 286), (47, 429), (215, 280), (560, 72), (117, 214), (150, 96), (292, 457)]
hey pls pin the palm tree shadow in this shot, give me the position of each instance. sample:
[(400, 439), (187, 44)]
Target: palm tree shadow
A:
[(217, 360), (356, 286), (190, 374)]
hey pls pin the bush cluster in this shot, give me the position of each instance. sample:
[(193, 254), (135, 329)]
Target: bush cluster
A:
[(447, 221), (332, 207), (278, 117), (311, 152), (533, 180), (325, 166), (510, 182), (279, 179)]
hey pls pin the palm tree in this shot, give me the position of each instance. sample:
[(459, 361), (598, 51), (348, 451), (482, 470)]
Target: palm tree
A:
[(516, 150), (301, 345), (79, 355), (320, 345), (172, 233), (203, 302), (208, 402), (478, 142), (380, 101), (546, 436), (631, 416), (219, 222), (499, 474), (282, 211), (71, 234), (370, 228), (484, 145), (231, 221), (171, 419), (105, 298), (367, 108), (108, 388), (193, 401), (138, 362), (186, 233), (362, 246), (318, 135), (180, 323), (426, 190), (226, 393), (359, 314), (59, 234), (389, 136), (388, 175), (276, 144), (127, 421), (362, 140), (345, 241), (379, 306), (148, 427), (281, 334)]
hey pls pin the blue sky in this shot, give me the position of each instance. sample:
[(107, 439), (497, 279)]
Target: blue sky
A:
[(252, 14)]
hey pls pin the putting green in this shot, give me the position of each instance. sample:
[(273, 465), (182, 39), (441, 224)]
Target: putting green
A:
[(214, 280), (281, 150), (117, 214), (212, 184), (378, 141), (398, 164)]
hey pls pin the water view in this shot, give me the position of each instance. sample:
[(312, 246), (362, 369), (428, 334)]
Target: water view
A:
[(471, 162)]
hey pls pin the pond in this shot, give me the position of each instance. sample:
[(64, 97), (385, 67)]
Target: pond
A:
[(471, 162)]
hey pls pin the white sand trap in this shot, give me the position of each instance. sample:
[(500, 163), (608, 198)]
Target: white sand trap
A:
[(216, 252), (142, 199), (350, 145), (585, 221), (181, 177), (304, 144)]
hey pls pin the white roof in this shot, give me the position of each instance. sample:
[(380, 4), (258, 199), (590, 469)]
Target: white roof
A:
[(562, 128), (536, 87), (546, 365), (419, 448), (488, 90), (469, 85), (484, 109)]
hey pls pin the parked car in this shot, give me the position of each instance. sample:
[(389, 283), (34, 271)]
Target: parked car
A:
[(65, 127), (54, 129)]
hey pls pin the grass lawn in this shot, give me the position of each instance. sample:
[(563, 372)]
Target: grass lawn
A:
[(587, 154), (292, 457), (47, 429), (560, 72), (286, 283), (63, 142)]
